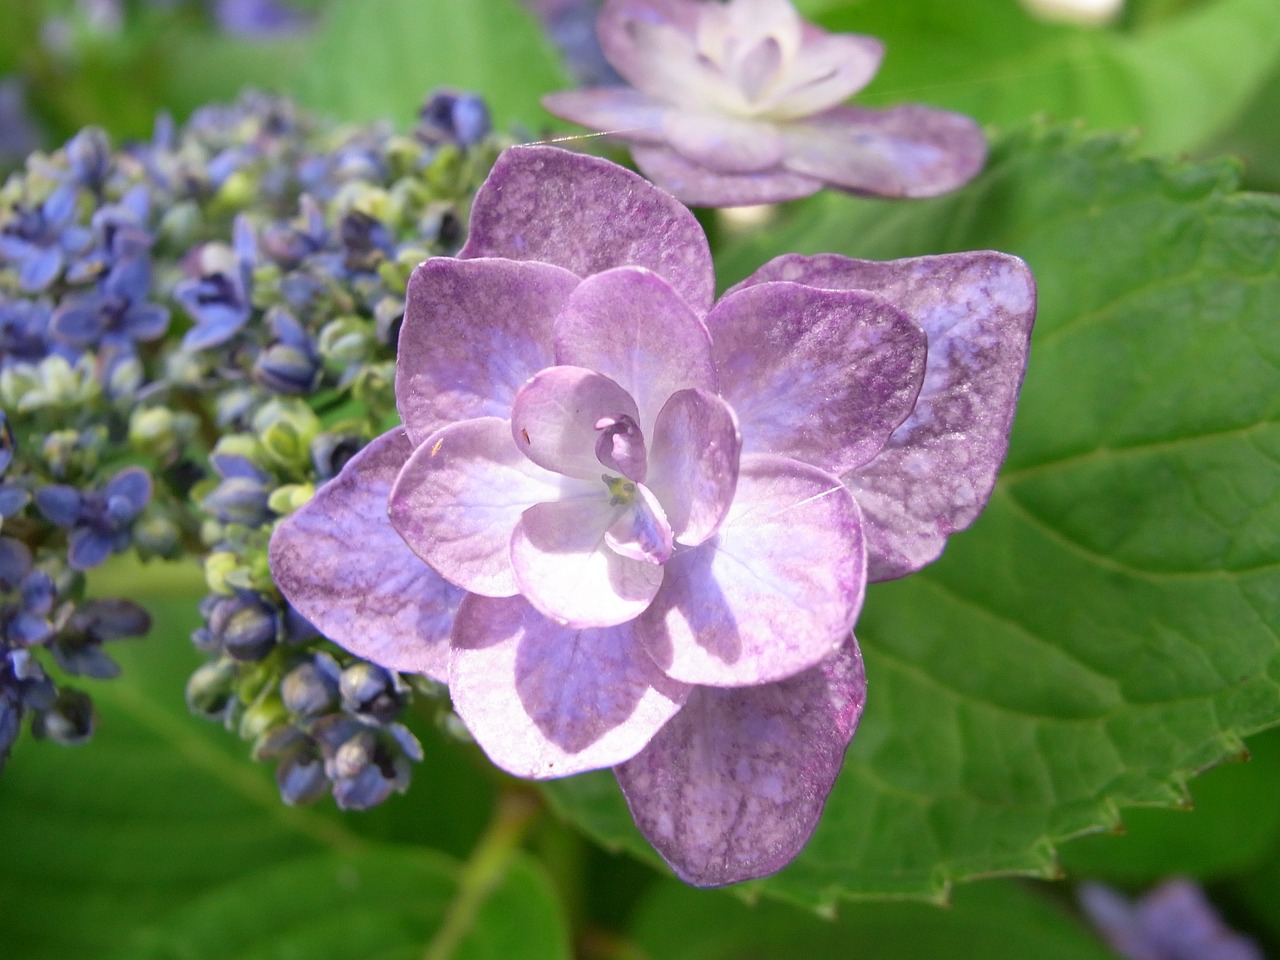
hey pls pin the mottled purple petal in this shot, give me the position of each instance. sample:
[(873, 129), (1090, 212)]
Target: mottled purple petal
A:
[(569, 573), (776, 591), (733, 786), (906, 151), (587, 215), (822, 376), (695, 463), (634, 115), (700, 187), (553, 422), (630, 326), (342, 566), (459, 497), (474, 332), (938, 469), (545, 700)]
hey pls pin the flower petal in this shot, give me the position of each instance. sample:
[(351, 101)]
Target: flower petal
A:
[(587, 215), (617, 110), (342, 566), (827, 70), (906, 151), (937, 471), (700, 187), (722, 143), (632, 51), (554, 419), (630, 326), (822, 376), (694, 463), (459, 497), (545, 700), (569, 573), (776, 591), (474, 331), (732, 787)]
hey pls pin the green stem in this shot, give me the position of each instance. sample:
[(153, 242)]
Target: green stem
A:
[(517, 807)]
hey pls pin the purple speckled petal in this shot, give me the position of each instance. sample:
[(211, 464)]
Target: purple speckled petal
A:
[(587, 215), (776, 591), (822, 376), (621, 110), (545, 700), (695, 463), (733, 786), (700, 187), (906, 151), (474, 331), (342, 566), (629, 325), (569, 573), (937, 471), (459, 497), (553, 422)]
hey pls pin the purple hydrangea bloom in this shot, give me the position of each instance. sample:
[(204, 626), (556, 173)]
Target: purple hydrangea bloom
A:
[(623, 523), (1175, 921), (742, 102)]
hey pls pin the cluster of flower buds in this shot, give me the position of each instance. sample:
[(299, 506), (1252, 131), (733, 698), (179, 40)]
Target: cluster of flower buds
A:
[(195, 332)]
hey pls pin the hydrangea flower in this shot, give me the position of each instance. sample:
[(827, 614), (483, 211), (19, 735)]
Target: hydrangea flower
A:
[(742, 102), (632, 529)]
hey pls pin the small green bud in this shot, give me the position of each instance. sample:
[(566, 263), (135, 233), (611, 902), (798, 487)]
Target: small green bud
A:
[(212, 687), (345, 342), (161, 433), (218, 567), (284, 500), (286, 428)]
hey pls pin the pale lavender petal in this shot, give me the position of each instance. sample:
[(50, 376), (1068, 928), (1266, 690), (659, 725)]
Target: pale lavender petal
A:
[(822, 376), (906, 151), (620, 446), (342, 566), (642, 532), (587, 215), (460, 496), (828, 69), (553, 422), (629, 325), (474, 331), (545, 700), (733, 786), (618, 36), (569, 573), (695, 463), (700, 187), (938, 469), (776, 591), (724, 144), (621, 110)]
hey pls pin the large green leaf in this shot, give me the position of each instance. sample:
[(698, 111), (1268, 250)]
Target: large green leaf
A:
[(1180, 80), (161, 838), (378, 58), (1107, 629), (994, 921)]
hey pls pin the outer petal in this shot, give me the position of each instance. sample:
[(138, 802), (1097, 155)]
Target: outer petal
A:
[(617, 110), (907, 151), (553, 422), (629, 325), (618, 38), (776, 591), (460, 496), (822, 376), (695, 463), (342, 566), (732, 788), (700, 187), (939, 467), (545, 700), (565, 568), (587, 215), (473, 333)]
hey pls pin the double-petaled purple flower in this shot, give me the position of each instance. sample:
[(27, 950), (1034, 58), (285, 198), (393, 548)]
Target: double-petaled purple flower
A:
[(632, 528), (742, 102)]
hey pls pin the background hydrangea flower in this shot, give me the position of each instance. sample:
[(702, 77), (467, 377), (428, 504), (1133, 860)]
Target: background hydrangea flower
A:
[(616, 522), (741, 102)]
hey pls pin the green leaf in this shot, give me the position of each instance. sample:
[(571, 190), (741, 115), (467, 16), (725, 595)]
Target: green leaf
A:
[(994, 921), (1180, 80), (1107, 628), (379, 60)]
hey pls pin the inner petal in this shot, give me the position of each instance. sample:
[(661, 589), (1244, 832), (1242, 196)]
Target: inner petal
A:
[(620, 446), (642, 531), (555, 420)]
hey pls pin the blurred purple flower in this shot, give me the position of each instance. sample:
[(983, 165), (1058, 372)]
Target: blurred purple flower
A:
[(623, 522), (100, 521), (1175, 921), (258, 19), (40, 241), (739, 102)]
